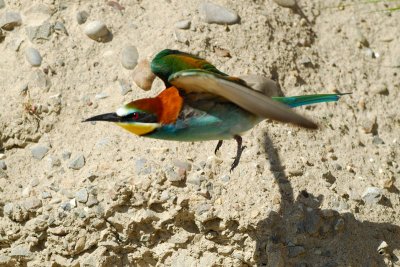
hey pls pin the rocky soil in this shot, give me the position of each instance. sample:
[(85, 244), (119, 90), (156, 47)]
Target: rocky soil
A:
[(75, 194)]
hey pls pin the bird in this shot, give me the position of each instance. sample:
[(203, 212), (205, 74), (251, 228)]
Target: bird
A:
[(201, 103)]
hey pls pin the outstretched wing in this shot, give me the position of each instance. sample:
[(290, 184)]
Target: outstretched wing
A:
[(202, 81), (167, 62)]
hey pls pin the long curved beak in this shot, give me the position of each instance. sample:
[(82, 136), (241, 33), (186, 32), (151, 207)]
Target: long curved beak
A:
[(111, 117)]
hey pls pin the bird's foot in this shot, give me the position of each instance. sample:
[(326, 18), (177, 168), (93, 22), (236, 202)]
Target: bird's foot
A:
[(239, 151), (218, 146)]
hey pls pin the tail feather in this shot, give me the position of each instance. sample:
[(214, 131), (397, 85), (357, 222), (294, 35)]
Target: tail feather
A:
[(297, 101)]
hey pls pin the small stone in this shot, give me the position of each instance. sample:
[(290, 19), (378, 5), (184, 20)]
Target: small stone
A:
[(262, 84), (173, 176), (39, 151), (129, 57), (81, 17), (82, 195), (143, 76), (60, 27), (2, 156), (124, 87), (101, 96), (97, 31), (10, 20), (225, 178), (46, 195), (92, 200), (33, 57), (286, 3), (32, 204), (195, 179), (3, 165), (212, 13), (77, 163), (20, 251), (2, 4), (372, 195), (8, 208), (377, 140), (183, 24), (53, 162), (383, 248), (66, 206), (295, 251), (222, 52), (73, 203), (41, 32)]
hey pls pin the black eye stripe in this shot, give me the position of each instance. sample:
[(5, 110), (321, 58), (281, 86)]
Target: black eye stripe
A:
[(139, 117)]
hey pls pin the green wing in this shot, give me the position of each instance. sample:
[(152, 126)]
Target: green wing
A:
[(167, 62), (202, 81)]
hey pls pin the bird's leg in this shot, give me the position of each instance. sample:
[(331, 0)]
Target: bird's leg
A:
[(239, 151), (218, 146)]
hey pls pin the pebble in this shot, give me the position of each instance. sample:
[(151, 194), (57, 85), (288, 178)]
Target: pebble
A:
[(81, 17), (262, 84), (20, 251), (97, 31), (92, 200), (173, 176), (46, 195), (212, 13), (286, 3), (124, 87), (82, 195), (77, 163), (377, 140), (101, 96), (41, 32), (32, 204), (3, 165), (183, 24), (372, 195), (2, 4), (39, 151), (33, 57), (143, 76), (129, 57), (60, 27), (2, 156), (10, 20)]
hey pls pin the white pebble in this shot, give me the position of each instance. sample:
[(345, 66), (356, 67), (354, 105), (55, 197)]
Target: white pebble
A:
[(33, 57), (212, 13), (129, 57), (183, 24), (286, 3), (97, 31)]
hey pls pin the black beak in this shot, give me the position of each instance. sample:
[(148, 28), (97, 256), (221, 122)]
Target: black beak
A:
[(112, 117)]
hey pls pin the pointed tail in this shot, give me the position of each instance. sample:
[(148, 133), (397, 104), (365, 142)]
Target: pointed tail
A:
[(297, 101)]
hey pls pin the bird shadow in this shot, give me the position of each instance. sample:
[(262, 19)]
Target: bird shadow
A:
[(303, 234)]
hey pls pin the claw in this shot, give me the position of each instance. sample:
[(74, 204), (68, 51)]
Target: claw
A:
[(218, 146), (239, 151)]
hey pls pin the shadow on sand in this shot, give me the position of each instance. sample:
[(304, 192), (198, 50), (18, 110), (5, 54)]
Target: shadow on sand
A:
[(302, 234)]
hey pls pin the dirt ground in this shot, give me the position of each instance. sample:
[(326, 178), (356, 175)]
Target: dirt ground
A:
[(75, 194)]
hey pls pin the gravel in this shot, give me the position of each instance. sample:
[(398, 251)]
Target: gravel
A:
[(33, 56), (213, 13), (39, 151)]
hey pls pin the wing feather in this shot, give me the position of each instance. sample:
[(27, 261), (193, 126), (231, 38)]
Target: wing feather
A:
[(201, 81)]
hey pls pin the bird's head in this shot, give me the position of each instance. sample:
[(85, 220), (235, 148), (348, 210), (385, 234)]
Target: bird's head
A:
[(139, 117)]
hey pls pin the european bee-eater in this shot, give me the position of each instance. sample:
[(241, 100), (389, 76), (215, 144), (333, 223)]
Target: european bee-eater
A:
[(202, 103)]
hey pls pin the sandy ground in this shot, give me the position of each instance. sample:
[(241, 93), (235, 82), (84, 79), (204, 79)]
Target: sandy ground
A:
[(102, 197)]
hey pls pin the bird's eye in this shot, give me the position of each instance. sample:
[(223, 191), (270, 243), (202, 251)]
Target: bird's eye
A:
[(135, 115)]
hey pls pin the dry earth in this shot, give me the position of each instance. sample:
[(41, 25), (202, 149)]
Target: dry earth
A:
[(102, 197)]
